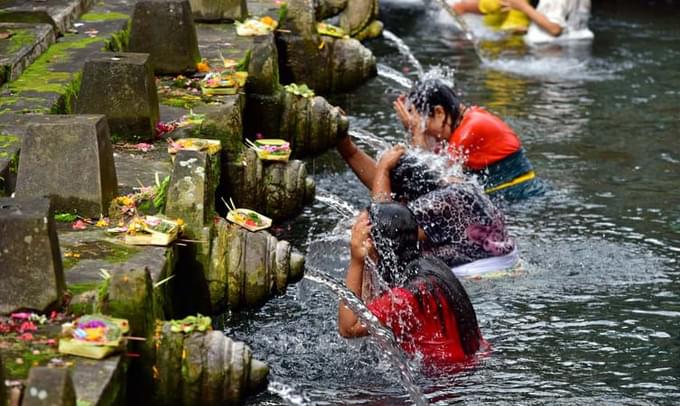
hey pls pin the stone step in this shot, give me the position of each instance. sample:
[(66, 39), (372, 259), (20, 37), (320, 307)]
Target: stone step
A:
[(60, 14), (26, 44)]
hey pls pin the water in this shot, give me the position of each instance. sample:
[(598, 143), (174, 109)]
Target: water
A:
[(595, 317)]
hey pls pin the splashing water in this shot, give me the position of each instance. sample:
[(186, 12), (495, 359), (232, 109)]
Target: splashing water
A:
[(404, 50), (379, 334), (288, 394), (345, 209), (370, 139), (387, 72)]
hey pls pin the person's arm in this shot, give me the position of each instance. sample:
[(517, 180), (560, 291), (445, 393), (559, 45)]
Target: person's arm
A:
[(349, 325), (540, 19), (382, 188), (466, 6), (361, 163)]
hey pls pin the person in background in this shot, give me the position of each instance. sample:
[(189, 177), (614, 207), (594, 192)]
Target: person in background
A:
[(425, 305), (495, 16), (486, 146), (554, 19)]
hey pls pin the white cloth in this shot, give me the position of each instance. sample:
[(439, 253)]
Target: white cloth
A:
[(503, 263), (571, 15)]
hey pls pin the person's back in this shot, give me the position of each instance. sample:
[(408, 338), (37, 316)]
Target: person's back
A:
[(431, 315), (571, 15), (461, 223)]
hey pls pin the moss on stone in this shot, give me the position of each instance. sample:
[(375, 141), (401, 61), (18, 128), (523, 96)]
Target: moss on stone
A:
[(19, 39), (7, 140), (119, 40), (103, 250), (112, 15), (78, 288), (19, 356), (39, 77)]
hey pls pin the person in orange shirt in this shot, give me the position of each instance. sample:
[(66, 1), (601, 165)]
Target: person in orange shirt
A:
[(482, 142)]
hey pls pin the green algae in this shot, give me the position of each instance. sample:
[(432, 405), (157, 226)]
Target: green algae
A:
[(112, 15), (6, 140), (19, 39), (78, 288), (40, 78), (98, 250)]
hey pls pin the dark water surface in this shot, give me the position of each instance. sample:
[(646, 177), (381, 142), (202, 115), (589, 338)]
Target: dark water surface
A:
[(597, 316)]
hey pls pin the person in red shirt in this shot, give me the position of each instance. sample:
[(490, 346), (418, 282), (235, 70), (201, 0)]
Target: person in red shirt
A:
[(482, 142), (425, 305)]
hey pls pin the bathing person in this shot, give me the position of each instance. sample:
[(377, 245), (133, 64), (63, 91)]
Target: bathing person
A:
[(459, 223), (425, 305), (494, 15), (554, 19), (487, 146)]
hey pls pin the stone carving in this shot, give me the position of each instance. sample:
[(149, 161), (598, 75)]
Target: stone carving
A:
[(327, 65), (248, 268), (204, 369)]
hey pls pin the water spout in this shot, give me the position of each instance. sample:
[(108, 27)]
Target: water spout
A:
[(382, 336), (404, 50)]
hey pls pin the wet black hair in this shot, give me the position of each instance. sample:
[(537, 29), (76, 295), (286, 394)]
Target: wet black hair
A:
[(394, 232), (429, 93), (439, 282), (411, 178)]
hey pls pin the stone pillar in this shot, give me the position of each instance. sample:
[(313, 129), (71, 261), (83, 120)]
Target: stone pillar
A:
[(121, 86), (3, 389), (218, 10), (248, 268), (191, 194), (205, 369), (191, 197), (30, 262), (130, 296), (70, 159), (49, 387), (165, 30)]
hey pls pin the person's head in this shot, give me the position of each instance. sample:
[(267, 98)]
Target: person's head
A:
[(411, 178), (438, 106), (394, 233)]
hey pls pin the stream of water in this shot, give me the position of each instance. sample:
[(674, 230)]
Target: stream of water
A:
[(596, 316)]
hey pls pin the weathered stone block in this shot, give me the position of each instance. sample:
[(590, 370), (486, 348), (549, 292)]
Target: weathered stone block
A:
[(191, 194), (101, 382), (263, 68), (217, 10), (70, 159), (121, 86), (30, 262), (49, 387), (165, 30)]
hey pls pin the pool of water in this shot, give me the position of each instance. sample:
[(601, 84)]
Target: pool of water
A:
[(596, 316)]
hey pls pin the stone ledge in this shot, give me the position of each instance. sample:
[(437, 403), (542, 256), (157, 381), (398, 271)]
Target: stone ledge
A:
[(100, 383), (58, 13), (27, 43)]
